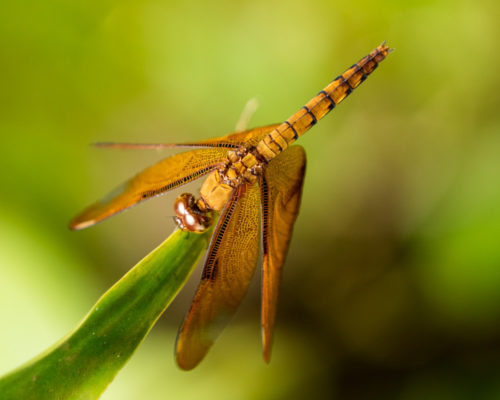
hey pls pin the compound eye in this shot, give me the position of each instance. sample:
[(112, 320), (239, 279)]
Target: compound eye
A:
[(193, 223), (180, 208), (188, 216), (183, 204)]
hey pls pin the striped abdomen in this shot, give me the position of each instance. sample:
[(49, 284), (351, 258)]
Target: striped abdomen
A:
[(299, 123)]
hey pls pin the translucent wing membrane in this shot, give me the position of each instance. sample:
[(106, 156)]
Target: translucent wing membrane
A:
[(153, 181), (281, 189), (247, 138), (228, 270)]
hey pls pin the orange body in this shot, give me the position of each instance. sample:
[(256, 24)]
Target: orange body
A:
[(255, 179)]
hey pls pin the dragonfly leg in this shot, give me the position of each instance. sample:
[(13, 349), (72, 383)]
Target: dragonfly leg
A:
[(189, 217), (247, 114)]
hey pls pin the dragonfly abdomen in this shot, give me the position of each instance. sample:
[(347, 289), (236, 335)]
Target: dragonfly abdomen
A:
[(244, 164), (336, 91)]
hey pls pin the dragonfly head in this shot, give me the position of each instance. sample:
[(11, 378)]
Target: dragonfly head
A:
[(189, 217)]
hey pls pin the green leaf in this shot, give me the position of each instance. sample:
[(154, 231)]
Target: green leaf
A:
[(83, 363)]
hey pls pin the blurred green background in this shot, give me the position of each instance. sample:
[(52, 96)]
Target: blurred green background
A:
[(392, 284)]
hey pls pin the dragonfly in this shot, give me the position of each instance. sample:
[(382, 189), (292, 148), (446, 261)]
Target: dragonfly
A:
[(253, 186)]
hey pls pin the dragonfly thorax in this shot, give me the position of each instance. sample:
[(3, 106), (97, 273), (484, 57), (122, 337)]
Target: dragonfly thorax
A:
[(242, 167)]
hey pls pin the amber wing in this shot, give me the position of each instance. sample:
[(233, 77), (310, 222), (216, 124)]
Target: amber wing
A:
[(281, 189), (228, 270), (166, 175), (246, 138)]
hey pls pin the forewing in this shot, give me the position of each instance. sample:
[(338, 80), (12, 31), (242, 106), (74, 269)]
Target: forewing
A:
[(281, 189), (246, 138), (166, 175), (228, 270)]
